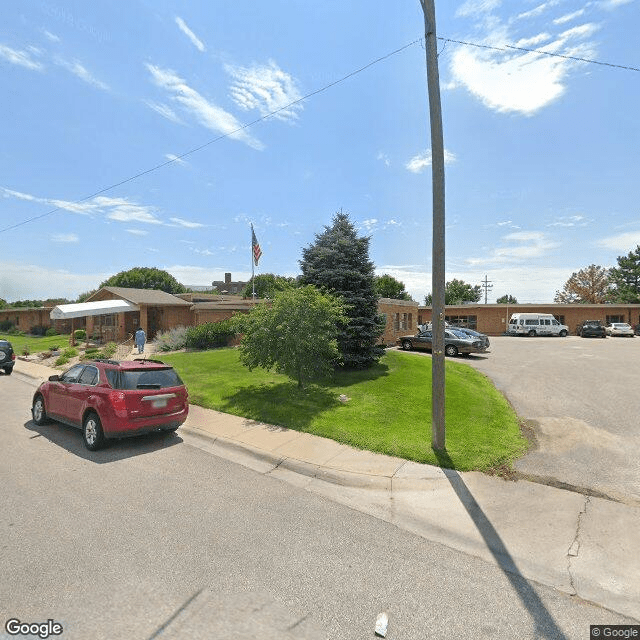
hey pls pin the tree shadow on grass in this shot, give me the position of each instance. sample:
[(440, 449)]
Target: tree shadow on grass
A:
[(282, 404)]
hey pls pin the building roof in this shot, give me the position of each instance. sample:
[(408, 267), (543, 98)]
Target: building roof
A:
[(225, 305), (97, 308), (141, 296)]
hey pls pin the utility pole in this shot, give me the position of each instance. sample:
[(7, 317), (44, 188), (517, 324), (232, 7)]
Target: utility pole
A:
[(486, 284), (438, 439)]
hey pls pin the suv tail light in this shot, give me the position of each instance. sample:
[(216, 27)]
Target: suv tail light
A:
[(118, 402), (13, 356)]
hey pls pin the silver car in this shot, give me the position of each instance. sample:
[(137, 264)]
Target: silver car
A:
[(620, 329), (455, 342)]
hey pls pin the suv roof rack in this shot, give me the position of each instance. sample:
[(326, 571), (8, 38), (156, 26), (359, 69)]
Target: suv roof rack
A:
[(105, 360), (148, 360)]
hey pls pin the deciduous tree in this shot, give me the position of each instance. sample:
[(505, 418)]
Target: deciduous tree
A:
[(295, 334), (145, 278), (457, 292), (338, 262), (590, 285), (507, 299), (387, 286), (267, 285)]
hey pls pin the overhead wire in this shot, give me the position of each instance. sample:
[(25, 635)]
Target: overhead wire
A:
[(288, 106)]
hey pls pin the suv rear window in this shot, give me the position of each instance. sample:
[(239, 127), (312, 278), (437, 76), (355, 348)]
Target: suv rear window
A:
[(143, 379)]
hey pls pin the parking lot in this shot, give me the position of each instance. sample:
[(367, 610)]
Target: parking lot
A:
[(581, 397)]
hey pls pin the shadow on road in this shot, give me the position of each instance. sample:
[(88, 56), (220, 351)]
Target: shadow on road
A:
[(545, 625), (70, 439)]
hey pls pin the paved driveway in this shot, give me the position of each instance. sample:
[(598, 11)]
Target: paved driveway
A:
[(582, 397)]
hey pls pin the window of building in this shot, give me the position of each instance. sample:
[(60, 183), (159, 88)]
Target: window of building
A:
[(410, 321), (469, 322), (396, 321), (612, 319), (108, 320)]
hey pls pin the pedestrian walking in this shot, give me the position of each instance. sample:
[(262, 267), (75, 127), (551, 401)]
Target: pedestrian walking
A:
[(140, 339)]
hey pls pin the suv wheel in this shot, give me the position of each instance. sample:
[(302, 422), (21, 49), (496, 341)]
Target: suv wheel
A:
[(532, 333), (38, 411), (563, 334), (92, 433), (8, 371)]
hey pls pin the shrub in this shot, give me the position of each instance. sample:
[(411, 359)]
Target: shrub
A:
[(108, 350), (61, 360), (38, 330), (25, 350), (70, 352), (80, 334), (210, 335), (50, 332), (55, 347), (172, 340), (6, 325)]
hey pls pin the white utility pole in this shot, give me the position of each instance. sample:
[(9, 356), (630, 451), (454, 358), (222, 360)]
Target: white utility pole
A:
[(438, 264)]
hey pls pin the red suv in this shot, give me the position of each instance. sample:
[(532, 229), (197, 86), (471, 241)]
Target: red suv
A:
[(110, 399)]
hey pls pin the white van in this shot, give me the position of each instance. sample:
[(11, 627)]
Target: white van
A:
[(536, 324)]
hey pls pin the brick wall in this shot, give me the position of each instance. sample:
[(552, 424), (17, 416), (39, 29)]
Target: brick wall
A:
[(401, 319)]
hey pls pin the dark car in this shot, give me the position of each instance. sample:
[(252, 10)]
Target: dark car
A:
[(591, 329), (111, 399), (7, 357), (455, 342), (475, 334)]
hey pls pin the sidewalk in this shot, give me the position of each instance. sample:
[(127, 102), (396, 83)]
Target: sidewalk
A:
[(583, 546)]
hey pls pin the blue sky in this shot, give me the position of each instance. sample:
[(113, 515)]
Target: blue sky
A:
[(542, 152)]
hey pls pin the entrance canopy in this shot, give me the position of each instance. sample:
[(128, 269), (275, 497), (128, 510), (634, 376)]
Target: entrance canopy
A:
[(99, 308)]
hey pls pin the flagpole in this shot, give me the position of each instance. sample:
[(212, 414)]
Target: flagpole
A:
[(253, 280)]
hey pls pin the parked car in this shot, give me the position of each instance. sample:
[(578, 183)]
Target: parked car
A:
[(536, 324), (591, 329), (620, 329), (7, 357), (475, 334), (110, 399), (455, 342)]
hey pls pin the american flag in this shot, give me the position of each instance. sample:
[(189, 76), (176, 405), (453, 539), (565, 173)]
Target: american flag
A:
[(257, 251)]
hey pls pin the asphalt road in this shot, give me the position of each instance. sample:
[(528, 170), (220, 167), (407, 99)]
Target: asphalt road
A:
[(151, 533), (581, 397)]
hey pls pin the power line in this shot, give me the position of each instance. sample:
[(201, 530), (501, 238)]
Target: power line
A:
[(298, 101), (508, 47), (220, 137)]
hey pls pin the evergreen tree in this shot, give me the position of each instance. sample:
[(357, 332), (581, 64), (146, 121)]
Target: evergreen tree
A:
[(338, 262), (626, 278)]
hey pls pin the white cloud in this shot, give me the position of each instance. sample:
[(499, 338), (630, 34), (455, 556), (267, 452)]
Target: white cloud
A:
[(27, 281), (197, 43), (521, 245), (20, 58), (622, 242), (510, 81), (266, 88), (475, 7), (569, 17), (74, 207), (165, 111), (418, 163), (77, 69), (65, 237), (51, 36), (206, 113), (137, 232), (174, 158), (186, 223), (614, 4), (569, 221), (383, 157)]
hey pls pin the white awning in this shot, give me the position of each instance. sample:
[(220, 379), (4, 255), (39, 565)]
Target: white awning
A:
[(83, 309)]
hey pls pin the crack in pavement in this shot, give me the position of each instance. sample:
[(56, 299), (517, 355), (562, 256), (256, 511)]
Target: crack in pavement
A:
[(574, 548)]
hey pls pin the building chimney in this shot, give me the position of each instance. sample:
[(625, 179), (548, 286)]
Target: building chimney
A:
[(227, 278)]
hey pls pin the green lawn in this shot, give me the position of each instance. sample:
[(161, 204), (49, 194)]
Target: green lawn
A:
[(36, 344), (389, 407)]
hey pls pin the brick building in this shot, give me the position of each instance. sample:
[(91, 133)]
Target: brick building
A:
[(493, 319)]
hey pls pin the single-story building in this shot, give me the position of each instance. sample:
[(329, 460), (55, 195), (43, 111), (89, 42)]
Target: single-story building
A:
[(493, 319)]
